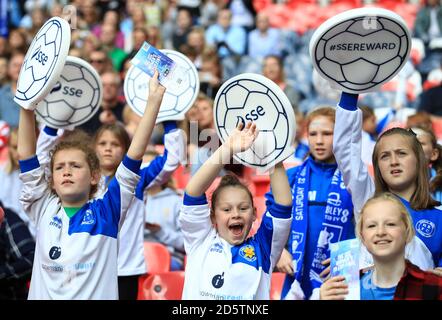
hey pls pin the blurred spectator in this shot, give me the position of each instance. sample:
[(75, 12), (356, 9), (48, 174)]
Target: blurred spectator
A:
[(134, 18), (89, 14), (206, 139), (191, 119), (9, 176), (263, 40), (3, 71), (14, 12), (301, 144), (90, 44), (421, 120), (107, 38), (162, 208), (209, 12), (154, 37), (428, 23), (18, 41), (229, 40), (16, 256), (56, 10), (273, 69), (152, 12), (182, 29), (192, 5), (34, 21), (4, 50), (431, 102), (139, 36), (100, 61), (113, 18), (243, 13), (130, 120), (111, 109), (170, 12), (210, 75), (76, 52), (196, 41), (9, 110)]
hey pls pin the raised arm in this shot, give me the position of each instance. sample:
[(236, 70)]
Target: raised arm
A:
[(145, 127), (280, 186), (238, 141), (347, 142), (27, 139)]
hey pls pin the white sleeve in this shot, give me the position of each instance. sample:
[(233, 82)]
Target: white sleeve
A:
[(122, 193), (195, 224), (347, 150), (45, 143), (35, 194)]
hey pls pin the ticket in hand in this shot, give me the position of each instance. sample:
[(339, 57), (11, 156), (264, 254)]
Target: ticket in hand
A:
[(149, 58)]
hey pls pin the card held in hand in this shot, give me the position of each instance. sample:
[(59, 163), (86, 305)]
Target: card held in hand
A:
[(149, 58), (344, 256)]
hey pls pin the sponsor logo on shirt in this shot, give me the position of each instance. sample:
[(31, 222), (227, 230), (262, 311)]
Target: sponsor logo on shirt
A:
[(426, 228), (55, 253), (216, 247), (88, 217), (218, 281), (248, 253), (56, 222)]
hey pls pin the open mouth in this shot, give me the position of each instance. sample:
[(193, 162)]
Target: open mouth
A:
[(236, 228), (396, 172), (382, 242)]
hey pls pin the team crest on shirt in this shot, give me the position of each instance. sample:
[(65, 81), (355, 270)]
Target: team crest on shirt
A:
[(426, 228), (56, 222), (216, 247), (88, 217), (248, 253)]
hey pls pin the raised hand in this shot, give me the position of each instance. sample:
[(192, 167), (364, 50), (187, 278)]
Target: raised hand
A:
[(156, 90), (242, 139)]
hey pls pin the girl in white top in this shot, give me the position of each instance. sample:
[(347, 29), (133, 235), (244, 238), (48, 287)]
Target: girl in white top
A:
[(76, 245), (222, 262), (111, 142)]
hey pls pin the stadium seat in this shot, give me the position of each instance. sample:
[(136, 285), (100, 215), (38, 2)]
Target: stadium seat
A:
[(157, 259), (181, 176), (276, 285), (164, 286), (262, 184), (260, 205)]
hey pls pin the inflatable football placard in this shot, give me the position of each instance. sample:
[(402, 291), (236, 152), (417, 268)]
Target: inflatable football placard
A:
[(177, 99), (75, 97), (251, 97), (360, 49), (43, 62)]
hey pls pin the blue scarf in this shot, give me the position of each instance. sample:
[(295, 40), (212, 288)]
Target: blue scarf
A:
[(336, 221)]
